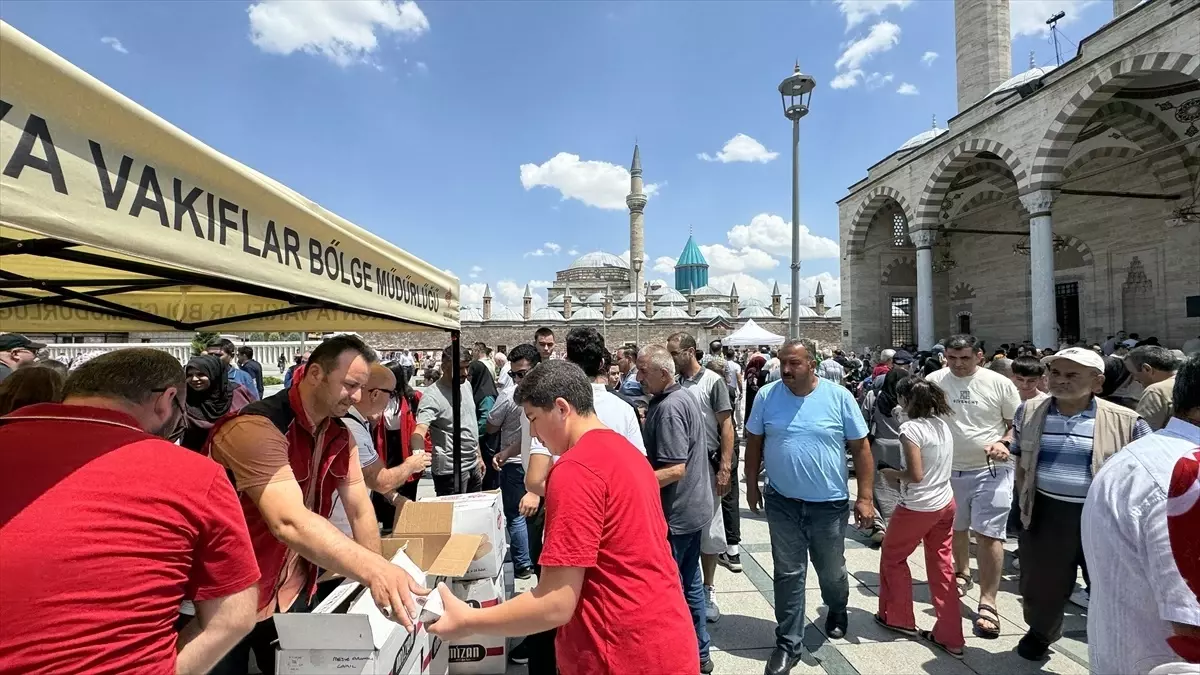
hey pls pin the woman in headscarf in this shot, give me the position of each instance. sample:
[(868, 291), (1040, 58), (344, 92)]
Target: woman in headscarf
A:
[(393, 434), (755, 376), (483, 389), (211, 394)]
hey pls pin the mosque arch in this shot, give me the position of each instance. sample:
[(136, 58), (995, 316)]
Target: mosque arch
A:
[(874, 200), (1052, 152), (1108, 151), (948, 170), (1148, 132), (901, 271)]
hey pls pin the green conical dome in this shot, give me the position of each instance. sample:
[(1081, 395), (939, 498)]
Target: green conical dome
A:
[(691, 270)]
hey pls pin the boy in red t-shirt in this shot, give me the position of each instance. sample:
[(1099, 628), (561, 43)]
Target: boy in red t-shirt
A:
[(608, 578)]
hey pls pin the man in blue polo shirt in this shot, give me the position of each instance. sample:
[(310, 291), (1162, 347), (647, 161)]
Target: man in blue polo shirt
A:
[(801, 425)]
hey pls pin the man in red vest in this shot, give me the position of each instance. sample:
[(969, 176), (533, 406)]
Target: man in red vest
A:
[(288, 454)]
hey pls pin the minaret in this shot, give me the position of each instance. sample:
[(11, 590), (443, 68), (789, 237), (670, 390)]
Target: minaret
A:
[(608, 302), (733, 301), (649, 306), (776, 301), (819, 296), (487, 302), (527, 301), (692, 301), (982, 48), (636, 201), (567, 301)]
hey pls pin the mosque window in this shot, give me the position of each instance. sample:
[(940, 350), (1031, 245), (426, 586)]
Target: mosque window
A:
[(900, 231)]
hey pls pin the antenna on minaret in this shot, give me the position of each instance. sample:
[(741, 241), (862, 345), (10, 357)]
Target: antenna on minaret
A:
[(1032, 59), (935, 121), (1053, 23)]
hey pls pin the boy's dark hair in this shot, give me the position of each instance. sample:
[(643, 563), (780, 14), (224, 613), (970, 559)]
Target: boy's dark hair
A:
[(1158, 358), (132, 375), (963, 341), (553, 380), (543, 332), (525, 352), (585, 348), (686, 341), (1186, 394), (247, 352), (328, 353), (1028, 366), (628, 351), (922, 398), (225, 344)]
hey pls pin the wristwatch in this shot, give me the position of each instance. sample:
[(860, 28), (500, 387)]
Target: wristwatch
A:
[(1007, 444)]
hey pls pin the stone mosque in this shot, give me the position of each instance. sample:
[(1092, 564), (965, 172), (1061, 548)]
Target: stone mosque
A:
[(601, 289), (1058, 204)]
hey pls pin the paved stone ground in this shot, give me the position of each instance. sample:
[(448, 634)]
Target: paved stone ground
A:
[(743, 638)]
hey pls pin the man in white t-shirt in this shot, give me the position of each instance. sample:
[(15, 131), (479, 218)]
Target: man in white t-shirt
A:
[(984, 403)]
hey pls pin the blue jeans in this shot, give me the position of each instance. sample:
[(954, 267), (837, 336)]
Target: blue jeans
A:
[(686, 550), (512, 488), (801, 529)]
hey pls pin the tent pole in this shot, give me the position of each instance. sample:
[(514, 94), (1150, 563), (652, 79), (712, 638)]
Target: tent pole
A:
[(456, 405)]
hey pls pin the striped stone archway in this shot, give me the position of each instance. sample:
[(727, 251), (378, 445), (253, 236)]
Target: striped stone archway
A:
[(1113, 151), (1150, 133), (953, 163), (1052, 152), (872, 202)]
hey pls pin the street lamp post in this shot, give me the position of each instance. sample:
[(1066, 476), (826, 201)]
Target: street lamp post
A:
[(636, 264), (796, 93)]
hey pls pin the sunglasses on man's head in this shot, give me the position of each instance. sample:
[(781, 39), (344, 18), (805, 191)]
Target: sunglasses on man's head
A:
[(518, 374)]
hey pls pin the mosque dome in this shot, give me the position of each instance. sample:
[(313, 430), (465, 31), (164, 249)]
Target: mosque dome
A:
[(547, 314), (670, 313), (834, 312), (595, 299), (631, 299), (587, 314), (598, 259), (470, 314), (708, 292), (560, 300), (712, 313), (750, 302), (624, 314), (506, 314), (670, 296), (802, 311), (756, 312), (922, 138), (1021, 78)]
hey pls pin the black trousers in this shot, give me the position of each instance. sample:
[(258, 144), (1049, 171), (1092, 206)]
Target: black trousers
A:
[(444, 485), (1051, 555), (539, 646), (730, 509)]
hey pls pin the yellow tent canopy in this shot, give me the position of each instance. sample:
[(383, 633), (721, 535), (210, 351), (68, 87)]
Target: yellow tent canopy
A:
[(113, 220)]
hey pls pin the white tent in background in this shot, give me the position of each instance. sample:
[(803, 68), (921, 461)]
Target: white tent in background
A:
[(751, 335)]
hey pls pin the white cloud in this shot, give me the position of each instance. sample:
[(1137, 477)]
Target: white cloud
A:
[(1028, 17), (741, 148), (928, 58), (573, 252), (343, 31), (599, 184), (552, 247), (422, 68), (722, 259), (881, 38), (471, 295), (877, 80), (907, 89), (773, 234), (857, 11), (512, 294), (475, 270), (664, 264), (760, 289), (536, 253), (846, 80), (115, 44)]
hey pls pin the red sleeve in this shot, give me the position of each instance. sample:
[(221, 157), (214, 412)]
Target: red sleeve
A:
[(223, 562), (575, 508)]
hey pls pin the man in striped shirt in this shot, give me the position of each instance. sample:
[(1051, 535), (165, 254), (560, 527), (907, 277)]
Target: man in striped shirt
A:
[(1060, 443)]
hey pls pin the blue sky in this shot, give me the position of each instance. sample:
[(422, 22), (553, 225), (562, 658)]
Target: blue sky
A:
[(492, 138)]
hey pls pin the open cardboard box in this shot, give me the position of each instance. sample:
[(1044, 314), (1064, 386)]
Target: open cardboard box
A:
[(480, 513), (348, 633)]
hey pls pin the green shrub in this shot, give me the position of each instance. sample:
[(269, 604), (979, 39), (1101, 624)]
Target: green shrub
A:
[(271, 380)]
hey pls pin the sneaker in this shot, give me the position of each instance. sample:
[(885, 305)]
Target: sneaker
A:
[(519, 654), (1080, 597), (877, 535), (523, 572), (1031, 648), (706, 666), (711, 610), (836, 625), (733, 563)]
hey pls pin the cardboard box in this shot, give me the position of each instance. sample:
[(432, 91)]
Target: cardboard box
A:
[(478, 654), (348, 633), (475, 513)]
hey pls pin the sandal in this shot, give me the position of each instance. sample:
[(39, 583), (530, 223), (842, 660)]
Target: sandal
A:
[(964, 583), (928, 636), (987, 633), (910, 632)]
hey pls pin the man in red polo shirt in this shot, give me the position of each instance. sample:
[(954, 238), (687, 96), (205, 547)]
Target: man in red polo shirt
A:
[(608, 580), (106, 528), (289, 454)]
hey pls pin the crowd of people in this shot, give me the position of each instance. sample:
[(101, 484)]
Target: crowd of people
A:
[(209, 508)]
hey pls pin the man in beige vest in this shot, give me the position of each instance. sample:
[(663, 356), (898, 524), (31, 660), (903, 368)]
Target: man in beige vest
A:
[(1060, 442), (1153, 367)]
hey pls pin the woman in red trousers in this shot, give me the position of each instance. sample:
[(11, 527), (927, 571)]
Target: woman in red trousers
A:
[(925, 514)]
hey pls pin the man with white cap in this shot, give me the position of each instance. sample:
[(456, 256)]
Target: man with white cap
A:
[(1060, 442)]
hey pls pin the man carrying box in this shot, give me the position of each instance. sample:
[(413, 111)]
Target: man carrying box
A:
[(288, 455), (608, 578)]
